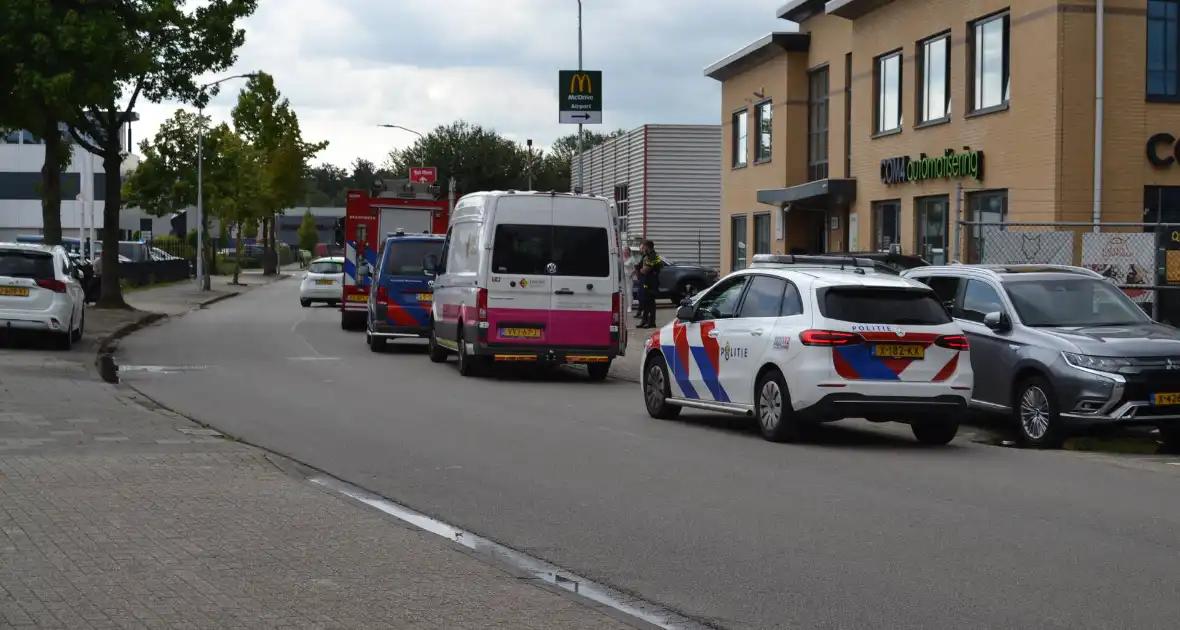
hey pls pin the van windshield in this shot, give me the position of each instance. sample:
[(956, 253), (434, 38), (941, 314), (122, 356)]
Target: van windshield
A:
[(404, 258), (572, 250)]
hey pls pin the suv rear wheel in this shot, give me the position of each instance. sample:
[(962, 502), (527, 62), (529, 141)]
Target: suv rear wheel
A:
[(1170, 436), (935, 432), (1038, 424), (777, 420)]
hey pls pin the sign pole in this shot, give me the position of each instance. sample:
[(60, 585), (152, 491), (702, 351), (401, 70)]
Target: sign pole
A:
[(581, 155)]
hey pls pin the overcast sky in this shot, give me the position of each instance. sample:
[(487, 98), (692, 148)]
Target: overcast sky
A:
[(349, 65)]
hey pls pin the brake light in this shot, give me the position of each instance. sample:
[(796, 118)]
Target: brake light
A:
[(481, 305), (830, 338), (616, 308), (953, 342), (382, 296), (57, 286)]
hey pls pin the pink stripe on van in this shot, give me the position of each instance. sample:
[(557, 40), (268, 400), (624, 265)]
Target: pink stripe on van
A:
[(561, 328)]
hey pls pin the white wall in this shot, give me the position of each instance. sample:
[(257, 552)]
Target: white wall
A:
[(26, 214)]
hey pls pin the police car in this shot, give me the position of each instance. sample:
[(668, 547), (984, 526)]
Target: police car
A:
[(794, 342)]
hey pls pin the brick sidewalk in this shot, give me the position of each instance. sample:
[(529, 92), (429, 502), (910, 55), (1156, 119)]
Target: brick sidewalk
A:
[(627, 368), (114, 514)]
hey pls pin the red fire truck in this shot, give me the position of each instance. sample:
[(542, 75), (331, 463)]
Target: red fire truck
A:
[(374, 215)]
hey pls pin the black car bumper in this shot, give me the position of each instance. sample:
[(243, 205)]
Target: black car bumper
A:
[(886, 408)]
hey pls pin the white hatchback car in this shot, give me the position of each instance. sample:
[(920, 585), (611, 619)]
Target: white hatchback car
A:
[(323, 282), (41, 292), (795, 345)]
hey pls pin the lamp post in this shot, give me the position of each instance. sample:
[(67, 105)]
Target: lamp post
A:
[(202, 277), (402, 128), (529, 168), (581, 156)]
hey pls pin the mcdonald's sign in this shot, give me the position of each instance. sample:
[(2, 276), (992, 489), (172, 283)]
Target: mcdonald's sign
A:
[(580, 97)]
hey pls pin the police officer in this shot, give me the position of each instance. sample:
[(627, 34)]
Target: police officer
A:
[(650, 277)]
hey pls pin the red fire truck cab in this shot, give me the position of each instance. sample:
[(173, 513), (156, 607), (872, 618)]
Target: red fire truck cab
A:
[(374, 215)]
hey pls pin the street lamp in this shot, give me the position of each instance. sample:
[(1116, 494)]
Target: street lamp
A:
[(202, 277), (581, 156), (450, 184), (402, 128)]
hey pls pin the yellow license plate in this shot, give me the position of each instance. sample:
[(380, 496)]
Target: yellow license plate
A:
[(1166, 399), (358, 298), (323, 282), (899, 351), (425, 297), (521, 333), (14, 291)]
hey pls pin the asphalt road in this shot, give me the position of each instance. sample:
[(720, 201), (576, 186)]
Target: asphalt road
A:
[(861, 529)]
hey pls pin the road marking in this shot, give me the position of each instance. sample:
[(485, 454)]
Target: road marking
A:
[(313, 358), (627, 604), (162, 369), (1174, 463)]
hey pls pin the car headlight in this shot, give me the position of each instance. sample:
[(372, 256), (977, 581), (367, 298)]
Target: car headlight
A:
[(1102, 364)]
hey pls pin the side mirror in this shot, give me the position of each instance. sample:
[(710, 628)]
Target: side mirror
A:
[(686, 311), (997, 321), (430, 264)]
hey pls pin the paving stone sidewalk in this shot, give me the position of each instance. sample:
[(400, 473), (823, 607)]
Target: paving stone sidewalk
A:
[(627, 368), (114, 514)]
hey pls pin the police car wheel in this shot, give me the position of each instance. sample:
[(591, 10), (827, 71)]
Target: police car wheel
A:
[(772, 409), (657, 389)]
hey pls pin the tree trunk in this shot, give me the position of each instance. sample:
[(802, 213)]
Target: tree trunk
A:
[(209, 251), (270, 254), (237, 252), (51, 189), (112, 289)]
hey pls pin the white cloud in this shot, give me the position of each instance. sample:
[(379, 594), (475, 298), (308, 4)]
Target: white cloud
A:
[(350, 65)]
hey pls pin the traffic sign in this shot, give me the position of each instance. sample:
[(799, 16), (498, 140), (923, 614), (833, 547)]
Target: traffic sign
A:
[(424, 174), (579, 97)]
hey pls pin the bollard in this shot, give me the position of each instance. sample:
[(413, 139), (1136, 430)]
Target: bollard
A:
[(107, 369)]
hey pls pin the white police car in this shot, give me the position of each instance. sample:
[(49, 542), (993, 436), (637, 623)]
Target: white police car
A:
[(803, 341)]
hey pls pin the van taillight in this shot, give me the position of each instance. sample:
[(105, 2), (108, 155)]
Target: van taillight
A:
[(616, 308), (830, 338), (382, 296), (481, 305), (57, 286)]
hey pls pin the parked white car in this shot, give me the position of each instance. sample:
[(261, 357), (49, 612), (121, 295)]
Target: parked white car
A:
[(323, 282), (41, 292), (798, 344)]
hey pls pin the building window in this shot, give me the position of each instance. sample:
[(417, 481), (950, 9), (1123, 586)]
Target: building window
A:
[(763, 114), (888, 81), (622, 205), (817, 125), (1163, 52), (741, 141), (762, 233), (886, 224), (930, 213), (988, 42), (934, 74), (988, 210), (737, 242)]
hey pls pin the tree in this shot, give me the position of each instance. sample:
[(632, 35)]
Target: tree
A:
[(477, 158), (166, 179), (309, 234), (52, 64), (157, 52), (264, 119), (237, 187)]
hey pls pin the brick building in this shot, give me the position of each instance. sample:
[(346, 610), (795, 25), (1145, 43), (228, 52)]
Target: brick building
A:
[(888, 121)]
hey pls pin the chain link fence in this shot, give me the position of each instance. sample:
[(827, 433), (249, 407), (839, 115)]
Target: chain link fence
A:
[(1143, 259)]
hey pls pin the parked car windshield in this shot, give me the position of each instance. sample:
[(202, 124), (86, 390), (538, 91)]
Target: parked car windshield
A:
[(326, 266), (1070, 302), (883, 305)]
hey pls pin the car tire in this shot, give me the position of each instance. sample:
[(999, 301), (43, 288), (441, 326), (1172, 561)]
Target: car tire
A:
[(657, 389), (777, 420), (935, 432), (64, 341), (437, 353), (1170, 436), (305, 303), (468, 365), (345, 324), (376, 344), (598, 371), (76, 336), (1034, 409)]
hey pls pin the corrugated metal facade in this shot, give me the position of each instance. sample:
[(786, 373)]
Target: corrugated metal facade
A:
[(680, 196)]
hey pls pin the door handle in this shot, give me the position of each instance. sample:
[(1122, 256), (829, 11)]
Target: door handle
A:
[(757, 332), (713, 334), (564, 292)]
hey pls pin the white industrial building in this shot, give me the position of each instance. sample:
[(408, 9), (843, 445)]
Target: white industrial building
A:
[(666, 182)]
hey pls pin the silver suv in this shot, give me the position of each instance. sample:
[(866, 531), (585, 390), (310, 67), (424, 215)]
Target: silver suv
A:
[(1058, 348)]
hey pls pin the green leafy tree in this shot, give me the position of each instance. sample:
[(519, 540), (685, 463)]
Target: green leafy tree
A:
[(157, 51), (309, 235), (264, 118), (476, 157), (237, 184), (53, 63)]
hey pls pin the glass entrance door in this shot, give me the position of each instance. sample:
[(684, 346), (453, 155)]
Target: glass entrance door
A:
[(931, 215)]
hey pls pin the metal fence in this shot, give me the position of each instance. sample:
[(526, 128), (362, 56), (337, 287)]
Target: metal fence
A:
[(1143, 259)]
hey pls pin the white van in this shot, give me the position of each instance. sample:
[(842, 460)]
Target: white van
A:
[(529, 276)]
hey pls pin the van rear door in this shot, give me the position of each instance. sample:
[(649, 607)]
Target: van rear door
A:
[(409, 289), (584, 275), (519, 288)]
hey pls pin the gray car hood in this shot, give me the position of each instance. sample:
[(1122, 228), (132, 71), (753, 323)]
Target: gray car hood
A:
[(1135, 340)]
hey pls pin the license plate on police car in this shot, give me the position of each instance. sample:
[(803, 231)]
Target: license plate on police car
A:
[(899, 351), (425, 297), (358, 298), (1166, 399), (14, 291), (520, 333)]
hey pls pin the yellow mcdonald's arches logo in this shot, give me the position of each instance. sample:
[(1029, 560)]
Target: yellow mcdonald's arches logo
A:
[(580, 83)]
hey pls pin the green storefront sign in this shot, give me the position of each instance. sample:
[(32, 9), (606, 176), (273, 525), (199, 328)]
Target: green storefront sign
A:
[(950, 165)]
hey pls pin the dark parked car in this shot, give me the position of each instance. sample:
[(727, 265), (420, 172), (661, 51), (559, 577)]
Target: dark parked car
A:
[(681, 280)]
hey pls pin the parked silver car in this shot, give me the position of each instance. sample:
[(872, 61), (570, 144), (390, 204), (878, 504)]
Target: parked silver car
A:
[(1057, 348)]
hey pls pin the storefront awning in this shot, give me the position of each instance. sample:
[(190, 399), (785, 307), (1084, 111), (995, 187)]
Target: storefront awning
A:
[(821, 194)]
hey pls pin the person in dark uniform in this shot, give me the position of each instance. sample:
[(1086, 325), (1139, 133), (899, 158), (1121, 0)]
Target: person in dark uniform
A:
[(649, 275)]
